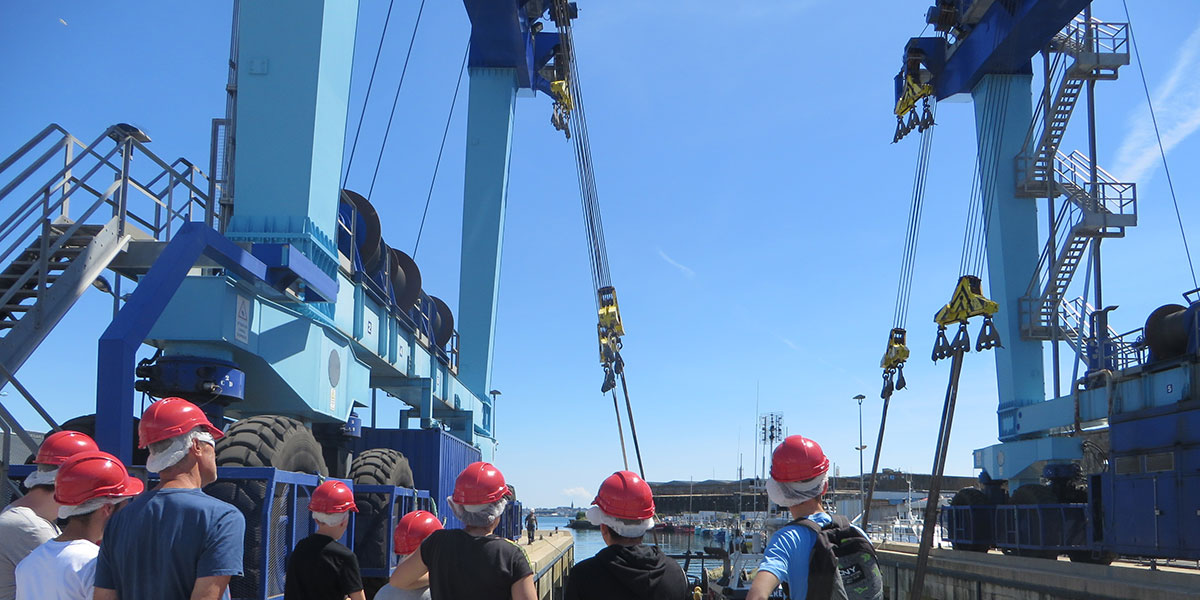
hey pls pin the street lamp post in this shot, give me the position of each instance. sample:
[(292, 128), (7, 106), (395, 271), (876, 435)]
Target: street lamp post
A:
[(862, 495), (494, 394)]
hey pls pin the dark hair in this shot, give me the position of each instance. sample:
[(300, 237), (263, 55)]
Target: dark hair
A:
[(620, 539)]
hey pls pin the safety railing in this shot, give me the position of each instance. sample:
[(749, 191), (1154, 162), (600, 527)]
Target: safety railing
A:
[(1096, 37), (1109, 196), (1060, 527)]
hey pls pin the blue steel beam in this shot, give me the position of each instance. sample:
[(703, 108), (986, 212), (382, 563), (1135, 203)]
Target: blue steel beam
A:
[(120, 342), (1002, 116), (293, 88), (485, 192), (505, 56), (1002, 42)]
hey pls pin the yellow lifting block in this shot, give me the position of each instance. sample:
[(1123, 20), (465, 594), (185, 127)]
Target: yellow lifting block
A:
[(913, 92), (968, 301), (897, 351), (610, 313), (562, 93)]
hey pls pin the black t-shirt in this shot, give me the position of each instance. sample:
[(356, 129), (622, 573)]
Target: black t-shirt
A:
[(463, 566), (321, 569), (638, 572)]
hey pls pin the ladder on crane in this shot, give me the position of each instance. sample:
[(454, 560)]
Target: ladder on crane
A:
[(69, 211)]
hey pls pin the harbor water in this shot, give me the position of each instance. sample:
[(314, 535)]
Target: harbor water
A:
[(589, 541)]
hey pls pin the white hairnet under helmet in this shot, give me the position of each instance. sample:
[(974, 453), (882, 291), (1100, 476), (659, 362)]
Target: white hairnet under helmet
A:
[(478, 515), (43, 475), (330, 519), (630, 528), (791, 493), (89, 506), (165, 453)]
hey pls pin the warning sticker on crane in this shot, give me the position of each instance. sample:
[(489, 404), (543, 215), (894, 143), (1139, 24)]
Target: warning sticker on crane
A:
[(241, 329)]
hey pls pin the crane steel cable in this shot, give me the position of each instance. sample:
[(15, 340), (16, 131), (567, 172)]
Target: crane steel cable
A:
[(441, 148), (1162, 152), (392, 115), (367, 97), (609, 328)]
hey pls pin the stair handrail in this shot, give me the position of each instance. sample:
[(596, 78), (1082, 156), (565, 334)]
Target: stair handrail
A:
[(46, 207)]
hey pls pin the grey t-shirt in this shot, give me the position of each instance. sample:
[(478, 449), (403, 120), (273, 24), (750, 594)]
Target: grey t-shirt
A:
[(387, 592), (22, 531)]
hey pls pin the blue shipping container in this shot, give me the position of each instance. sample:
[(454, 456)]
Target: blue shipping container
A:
[(436, 458)]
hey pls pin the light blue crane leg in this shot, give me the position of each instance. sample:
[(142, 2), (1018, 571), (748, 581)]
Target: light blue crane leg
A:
[(1002, 116), (489, 142)]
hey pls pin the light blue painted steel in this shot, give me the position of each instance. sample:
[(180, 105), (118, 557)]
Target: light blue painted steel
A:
[(293, 89), (1150, 390), (1002, 116), (1021, 461), (489, 142), (288, 360)]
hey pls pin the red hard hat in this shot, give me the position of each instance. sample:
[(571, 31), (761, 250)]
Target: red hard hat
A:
[(93, 474), (332, 497), (479, 483), (412, 529), (61, 445), (171, 417), (625, 496), (798, 459)]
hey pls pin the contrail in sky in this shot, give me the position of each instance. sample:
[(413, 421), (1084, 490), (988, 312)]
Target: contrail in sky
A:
[(670, 261), (1177, 105)]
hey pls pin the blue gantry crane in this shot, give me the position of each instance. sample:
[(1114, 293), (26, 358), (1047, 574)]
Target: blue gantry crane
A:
[(1107, 465), (267, 290)]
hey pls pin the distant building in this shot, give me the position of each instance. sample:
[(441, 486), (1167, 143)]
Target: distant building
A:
[(891, 489)]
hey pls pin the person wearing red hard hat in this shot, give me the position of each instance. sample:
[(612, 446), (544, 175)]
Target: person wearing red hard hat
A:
[(412, 529), (90, 487), (173, 542), (29, 521), (626, 568), (799, 479), (472, 562), (320, 567)]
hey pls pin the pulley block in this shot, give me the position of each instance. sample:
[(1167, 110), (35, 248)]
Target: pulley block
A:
[(941, 347), (966, 302), (988, 336)]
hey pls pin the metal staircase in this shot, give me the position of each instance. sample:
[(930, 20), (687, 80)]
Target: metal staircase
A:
[(1106, 213), (1094, 52), (68, 211)]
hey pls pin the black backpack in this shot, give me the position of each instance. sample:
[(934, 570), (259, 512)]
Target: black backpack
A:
[(843, 564)]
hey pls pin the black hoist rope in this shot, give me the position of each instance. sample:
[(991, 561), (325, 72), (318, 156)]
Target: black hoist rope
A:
[(594, 225), (396, 100), (367, 97), (1161, 151), (438, 163)]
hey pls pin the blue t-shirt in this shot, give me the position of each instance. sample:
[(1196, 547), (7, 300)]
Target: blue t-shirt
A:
[(788, 553), (156, 547)]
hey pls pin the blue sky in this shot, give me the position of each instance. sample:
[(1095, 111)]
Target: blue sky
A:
[(753, 205)]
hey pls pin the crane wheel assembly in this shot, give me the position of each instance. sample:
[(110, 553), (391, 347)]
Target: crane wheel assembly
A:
[(271, 441)]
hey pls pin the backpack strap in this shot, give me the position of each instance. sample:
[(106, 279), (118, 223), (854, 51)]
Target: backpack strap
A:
[(822, 566)]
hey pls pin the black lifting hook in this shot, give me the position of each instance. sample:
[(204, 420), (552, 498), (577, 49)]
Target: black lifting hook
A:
[(962, 339), (610, 381), (888, 388), (988, 336), (900, 384), (941, 347)]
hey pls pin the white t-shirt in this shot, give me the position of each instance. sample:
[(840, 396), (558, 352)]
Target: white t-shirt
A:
[(21, 530), (58, 571)]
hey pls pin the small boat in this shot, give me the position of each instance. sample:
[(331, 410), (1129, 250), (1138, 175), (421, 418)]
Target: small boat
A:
[(582, 524)]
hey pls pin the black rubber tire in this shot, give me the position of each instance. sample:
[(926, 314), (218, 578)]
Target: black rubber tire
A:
[(373, 529), (381, 466), (271, 441), (970, 496), (87, 424), (1035, 493)]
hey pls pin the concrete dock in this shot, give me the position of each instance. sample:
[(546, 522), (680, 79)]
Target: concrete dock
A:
[(551, 555), (958, 575)]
